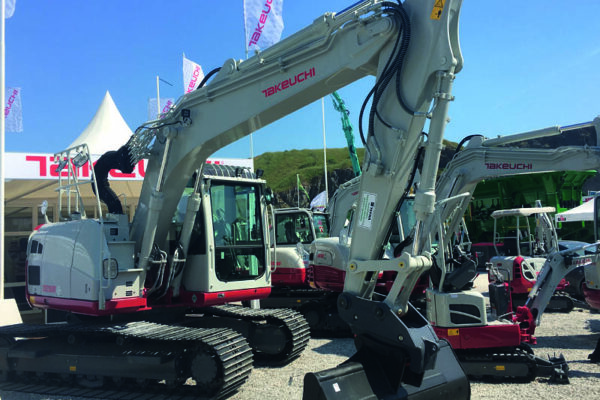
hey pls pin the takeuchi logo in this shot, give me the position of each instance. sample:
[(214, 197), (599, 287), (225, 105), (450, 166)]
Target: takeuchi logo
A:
[(47, 165), (11, 100), (194, 79), (262, 20), (504, 165), (288, 83)]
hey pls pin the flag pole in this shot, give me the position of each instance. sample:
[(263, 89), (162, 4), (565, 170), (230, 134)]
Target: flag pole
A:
[(298, 188), (245, 31), (2, 128), (324, 149), (246, 50), (157, 98)]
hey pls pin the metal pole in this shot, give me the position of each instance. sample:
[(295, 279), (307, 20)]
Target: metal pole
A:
[(246, 50), (2, 127), (157, 98), (255, 304), (324, 150)]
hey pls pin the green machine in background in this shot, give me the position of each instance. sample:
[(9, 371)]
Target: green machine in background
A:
[(561, 190)]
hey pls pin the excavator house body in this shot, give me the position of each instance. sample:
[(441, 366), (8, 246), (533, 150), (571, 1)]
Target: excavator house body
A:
[(292, 233), (68, 270), (461, 319)]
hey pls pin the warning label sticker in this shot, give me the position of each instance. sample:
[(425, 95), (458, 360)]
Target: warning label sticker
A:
[(367, 208), (438, 7)]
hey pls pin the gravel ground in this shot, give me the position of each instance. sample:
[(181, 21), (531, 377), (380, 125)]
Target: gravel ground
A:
[(574, 334)]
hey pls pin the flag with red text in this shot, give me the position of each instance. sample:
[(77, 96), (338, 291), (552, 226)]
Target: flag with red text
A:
[(165, 105), (13, 111), (263, 22), (192, 75)]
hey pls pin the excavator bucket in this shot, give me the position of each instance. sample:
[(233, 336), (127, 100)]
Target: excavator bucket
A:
[(369, 375), (396, 358)]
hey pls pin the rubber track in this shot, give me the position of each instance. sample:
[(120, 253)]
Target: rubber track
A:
[(55, 391), (561, 297), (296, 327), (231, 349), (536, 366)]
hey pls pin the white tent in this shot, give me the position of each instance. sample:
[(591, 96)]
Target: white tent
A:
[(584, 212), (29, 176), (106, 131)]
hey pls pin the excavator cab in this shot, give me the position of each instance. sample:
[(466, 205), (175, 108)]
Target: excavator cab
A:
[(294, 230)]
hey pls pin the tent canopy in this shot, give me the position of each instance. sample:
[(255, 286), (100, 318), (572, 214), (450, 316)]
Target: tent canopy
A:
[(106, 131), (584, 212)]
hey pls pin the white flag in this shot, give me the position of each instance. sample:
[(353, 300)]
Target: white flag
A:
[(13, 111), (264, 22), (9, 8), (165, 105), (192, 75), (319, 202)]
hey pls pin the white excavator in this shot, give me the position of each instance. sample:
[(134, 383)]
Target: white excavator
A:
[(294, 230), (165, 294), (457, 312), (521, 253)]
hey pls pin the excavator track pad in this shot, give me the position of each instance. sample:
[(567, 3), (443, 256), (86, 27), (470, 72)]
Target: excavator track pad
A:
[(140, 356), (275, 335)]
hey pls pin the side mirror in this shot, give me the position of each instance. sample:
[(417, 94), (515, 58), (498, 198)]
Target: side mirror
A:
[(269, 197)]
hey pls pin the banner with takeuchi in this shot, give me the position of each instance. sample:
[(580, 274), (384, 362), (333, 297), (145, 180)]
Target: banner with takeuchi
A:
[(13, 110), (165, 106), (43, 166), (263, 23), (192, 75)]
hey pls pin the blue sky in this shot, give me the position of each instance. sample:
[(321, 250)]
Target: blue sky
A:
[(528, 65)]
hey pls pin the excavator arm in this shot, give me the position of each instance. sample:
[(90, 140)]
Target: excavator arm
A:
[(413, 50), (484, 159), (335, 50)]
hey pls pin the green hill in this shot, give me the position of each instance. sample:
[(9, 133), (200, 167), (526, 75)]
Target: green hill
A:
[(281, 167)]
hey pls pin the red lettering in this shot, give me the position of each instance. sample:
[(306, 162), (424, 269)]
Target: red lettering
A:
[(85, 170), (42, 163), (53, 167), (49, 288), (286, 84), (261, 20), (194, 79), (11, 100), (116, 174), (167, 106), (141, 169)]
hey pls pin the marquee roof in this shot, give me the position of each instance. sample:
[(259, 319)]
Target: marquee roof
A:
[(106, 131)]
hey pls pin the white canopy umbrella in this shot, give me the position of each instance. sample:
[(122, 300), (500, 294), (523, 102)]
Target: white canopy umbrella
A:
[(584, 212)]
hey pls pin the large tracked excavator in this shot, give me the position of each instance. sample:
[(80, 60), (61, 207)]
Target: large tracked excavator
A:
[(165, 290), (488, 346)]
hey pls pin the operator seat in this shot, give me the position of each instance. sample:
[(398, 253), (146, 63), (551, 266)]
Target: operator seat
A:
[(464, 271), (290, 233)]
